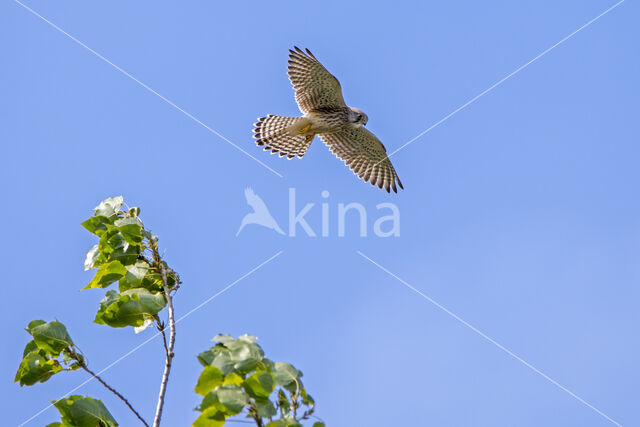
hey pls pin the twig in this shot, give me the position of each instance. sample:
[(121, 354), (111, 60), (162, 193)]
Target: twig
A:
[(253, 412), (294, 399), (161, 328), (112, 390), (172, 335)]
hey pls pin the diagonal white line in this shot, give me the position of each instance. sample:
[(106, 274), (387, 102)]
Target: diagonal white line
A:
[(145, 86), (124, 356), (139, 346), (491, 340), (198, 307), (507, 77)]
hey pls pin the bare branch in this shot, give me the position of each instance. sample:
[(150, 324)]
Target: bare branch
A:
[(111, 389), (253, 412), (172, 333), (161, 327)]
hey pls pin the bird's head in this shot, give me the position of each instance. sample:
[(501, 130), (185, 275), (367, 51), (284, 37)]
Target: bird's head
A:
[(358, 117)]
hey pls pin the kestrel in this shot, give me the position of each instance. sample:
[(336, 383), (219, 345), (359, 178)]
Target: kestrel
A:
[(319, 97)]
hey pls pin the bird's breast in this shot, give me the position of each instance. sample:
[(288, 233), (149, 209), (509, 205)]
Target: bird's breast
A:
[(327, 121)]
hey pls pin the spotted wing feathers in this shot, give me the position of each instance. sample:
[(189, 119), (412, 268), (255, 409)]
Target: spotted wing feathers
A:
[(315, 87), (365, 155)]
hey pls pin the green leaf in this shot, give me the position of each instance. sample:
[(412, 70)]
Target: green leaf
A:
[(206, 357), (36, 368), (265, 408), (56, 425), (78, 411), (114, 247), (219, 357), (209, 400), (210, 417), (283, 401), (210, 378), (97, 225), (245, 355), (34, 323), (130, 308), (134, 211), (223, 338), (109, 206), (318, 424), (260, 385), (31, 346), (127, 220), (277, 423), (266, 365), (232, 398), (248, 338), (51, 337), (92, 256), (131, 229), (110, 297), (134, 276), (286, 374), (306, 398), (233, 378), (153, 281), (107, 274)]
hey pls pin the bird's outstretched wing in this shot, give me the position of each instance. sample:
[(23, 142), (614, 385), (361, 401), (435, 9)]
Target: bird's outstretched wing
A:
[(315, 87), (365, 155)]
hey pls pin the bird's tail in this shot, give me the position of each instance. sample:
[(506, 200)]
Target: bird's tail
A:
[(281, 135)]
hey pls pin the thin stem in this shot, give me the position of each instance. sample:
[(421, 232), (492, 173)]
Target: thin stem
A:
[(172, 336), (161, 328), (294, 400), (253, 411), (114, 391)]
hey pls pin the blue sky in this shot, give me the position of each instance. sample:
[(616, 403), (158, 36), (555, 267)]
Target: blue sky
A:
[(520, 213)]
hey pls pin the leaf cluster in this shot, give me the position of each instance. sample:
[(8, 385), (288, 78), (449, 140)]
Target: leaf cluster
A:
[(51, 351), (79, 411), (238, 380), (127, 254)]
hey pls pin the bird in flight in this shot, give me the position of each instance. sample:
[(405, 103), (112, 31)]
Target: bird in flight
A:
[(319, 97)]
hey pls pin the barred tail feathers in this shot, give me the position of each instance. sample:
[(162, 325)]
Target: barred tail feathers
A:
[(281, 135)]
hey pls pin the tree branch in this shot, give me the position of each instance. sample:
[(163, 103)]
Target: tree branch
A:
[(112, 390), (161, 327), (253, 412), (172, 336)]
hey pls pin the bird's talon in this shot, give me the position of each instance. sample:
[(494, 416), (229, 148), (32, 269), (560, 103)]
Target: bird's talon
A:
[(305, 129)]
